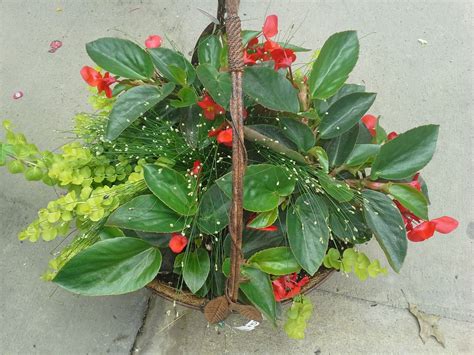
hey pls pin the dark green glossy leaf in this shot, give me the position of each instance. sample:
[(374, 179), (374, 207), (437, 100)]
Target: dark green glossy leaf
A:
[(258, 289), (274, 133), (275, 261), (410, 198), (380, 134), (173, 66), (264, 219), (196, 268), (347, 224), (345, 113), (405, 155), (424, 188), (132, 104), (361, 154), (308, 232), (209, 51), (264, 185), (385, 220), (186, 97), (148, 214), (339, 148), (255, 240), (364, 136), (270, 89), (319, 153), (299, 133), (216, 83), (335, 61), (172, 188), (213, 211), (121, 57), (323, 105), (110, 267), (108, 232), (337, 189)]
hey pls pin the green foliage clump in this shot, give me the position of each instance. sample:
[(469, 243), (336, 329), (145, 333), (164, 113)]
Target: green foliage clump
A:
[(298, 315), (353, 261)]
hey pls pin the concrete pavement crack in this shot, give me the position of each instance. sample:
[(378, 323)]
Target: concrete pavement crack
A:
[(134, 349)]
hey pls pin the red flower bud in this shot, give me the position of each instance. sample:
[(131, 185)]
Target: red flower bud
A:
[(177, 243), (225, 137), (370, 121), (153, 41), (270, 27), (392, 135)]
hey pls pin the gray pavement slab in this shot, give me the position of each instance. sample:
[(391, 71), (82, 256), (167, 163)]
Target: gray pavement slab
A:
[(416, 84)]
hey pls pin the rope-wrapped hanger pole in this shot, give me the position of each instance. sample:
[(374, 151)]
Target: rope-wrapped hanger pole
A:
[(236, 67)]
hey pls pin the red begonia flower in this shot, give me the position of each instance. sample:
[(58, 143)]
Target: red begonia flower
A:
[(283, 58), (370, 121), (210, 107), (95, 78), (421, 232), (177, 243), (197, 166), (445, 224), (392, 135), (415, 183), (287, 286), (225, 137), (270, 46), (270, 27), (153, 41)]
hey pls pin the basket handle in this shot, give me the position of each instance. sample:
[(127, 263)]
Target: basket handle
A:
[(236, 67)]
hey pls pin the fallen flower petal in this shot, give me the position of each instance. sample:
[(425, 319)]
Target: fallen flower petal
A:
[(17, 95), (422, 231), (54, 46), (445, 224), (177, 243), (153, 41)]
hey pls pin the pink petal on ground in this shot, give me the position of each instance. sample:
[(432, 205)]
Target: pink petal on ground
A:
[(18, 95), (55, 45)]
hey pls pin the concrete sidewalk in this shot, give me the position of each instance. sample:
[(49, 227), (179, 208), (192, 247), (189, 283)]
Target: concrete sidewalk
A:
[(416, 84)]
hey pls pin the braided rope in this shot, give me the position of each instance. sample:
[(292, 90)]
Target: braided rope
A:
[(236, 66)]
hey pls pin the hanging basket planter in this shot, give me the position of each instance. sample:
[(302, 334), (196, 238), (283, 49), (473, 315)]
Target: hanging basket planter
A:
[(235, 181)]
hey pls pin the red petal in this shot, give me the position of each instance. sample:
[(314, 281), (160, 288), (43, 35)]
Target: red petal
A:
[(370, 121), (91, 76), (278, 290), (177, 243), (270, 46), (392, 135), (153, 41), (445, 224), (225, 137), (197, 166), (270, 27), (422, 231), (283, 58)]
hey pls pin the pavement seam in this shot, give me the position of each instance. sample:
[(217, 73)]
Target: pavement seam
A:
[(134, 349), (387, 305)]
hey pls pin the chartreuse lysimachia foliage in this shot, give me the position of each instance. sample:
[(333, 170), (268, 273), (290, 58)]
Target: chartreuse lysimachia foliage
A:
[(148, 169)]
